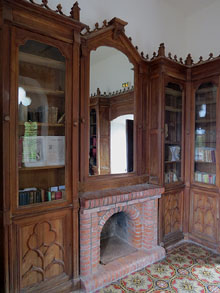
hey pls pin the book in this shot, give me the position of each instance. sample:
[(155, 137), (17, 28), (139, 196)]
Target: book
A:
[(58, 195), (53, 195), (43, 151)]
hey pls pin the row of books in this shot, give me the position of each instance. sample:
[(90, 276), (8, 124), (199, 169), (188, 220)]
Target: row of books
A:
[(205, 177), (205, 154), (34, 195)]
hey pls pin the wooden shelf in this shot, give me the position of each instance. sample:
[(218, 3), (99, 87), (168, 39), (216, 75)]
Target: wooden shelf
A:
[(206, 121), (44, 124), (172, 142), (204, 162), (170, 162), (38, 60), (169, 91), (206, 103), (172, 109), (39, 90), (206, 90), (41, 168)]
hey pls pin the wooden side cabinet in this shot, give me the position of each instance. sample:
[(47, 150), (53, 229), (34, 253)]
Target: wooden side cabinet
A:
[(171, 216), (204, 217), (39, 110), (166, 144)]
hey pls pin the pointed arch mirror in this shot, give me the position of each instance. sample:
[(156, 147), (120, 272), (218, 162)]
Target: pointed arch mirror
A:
[(110, 107)]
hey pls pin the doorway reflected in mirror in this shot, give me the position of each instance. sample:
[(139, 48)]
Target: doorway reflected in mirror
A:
[(111, 112)]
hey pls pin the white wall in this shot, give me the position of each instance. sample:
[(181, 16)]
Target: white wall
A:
[(109, 68), (150, 22), (183, 25), (203, 31)]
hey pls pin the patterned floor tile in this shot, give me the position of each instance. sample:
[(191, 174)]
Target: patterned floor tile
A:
[(187, 269)]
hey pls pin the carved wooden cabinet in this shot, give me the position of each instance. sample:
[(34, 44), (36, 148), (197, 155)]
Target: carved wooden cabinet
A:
[(204, 217), (39, 170), (204, 163), (166, 142)]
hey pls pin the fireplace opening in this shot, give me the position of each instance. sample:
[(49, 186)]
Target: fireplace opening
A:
[(116, 238)]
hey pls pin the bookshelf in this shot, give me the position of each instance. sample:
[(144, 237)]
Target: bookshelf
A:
[(205, 134), (93, 142), (173, 133), (41, 124)]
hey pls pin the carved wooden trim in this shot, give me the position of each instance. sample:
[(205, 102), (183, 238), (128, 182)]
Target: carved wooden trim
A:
[(119, 92), (42, 250), (74, 13)]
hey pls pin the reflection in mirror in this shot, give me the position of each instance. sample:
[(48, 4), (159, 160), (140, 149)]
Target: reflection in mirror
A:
[(111, 112)]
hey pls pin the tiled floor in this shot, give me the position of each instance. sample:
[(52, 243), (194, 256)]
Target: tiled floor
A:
[(187, 268)]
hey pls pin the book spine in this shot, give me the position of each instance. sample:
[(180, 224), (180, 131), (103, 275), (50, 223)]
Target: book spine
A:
[(58, 195), (53, 195)]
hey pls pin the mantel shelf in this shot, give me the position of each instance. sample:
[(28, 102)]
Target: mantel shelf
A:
[(42, 61)]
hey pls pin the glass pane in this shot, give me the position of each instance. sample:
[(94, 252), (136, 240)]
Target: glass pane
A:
[(173, 132), (41, 124), (205, 134)]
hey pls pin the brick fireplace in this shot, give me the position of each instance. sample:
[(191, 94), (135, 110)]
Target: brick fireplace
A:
[(125, 220)]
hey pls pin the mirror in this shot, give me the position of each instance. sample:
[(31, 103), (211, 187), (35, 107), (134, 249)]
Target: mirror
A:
[(111, 112)]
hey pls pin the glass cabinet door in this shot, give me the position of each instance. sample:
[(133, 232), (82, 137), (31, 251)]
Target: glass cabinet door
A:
[(173, 133), (205, 134), (41, 124)]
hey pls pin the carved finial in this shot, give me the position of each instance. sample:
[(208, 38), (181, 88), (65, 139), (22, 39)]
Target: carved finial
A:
[(181, 60), (189, 60), (142, 54), (98, 92), (161, 50), (200, 59), (136, 47), (105, 23), (154, 55), (147, 57), (175, 58), (75, 11), (45, 4), (88, 29), (170, 56), (130, 39), (210, 56), (96, 26), (59, 9)]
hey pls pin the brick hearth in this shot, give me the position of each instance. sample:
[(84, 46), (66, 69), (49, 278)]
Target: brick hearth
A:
[(140, 204)]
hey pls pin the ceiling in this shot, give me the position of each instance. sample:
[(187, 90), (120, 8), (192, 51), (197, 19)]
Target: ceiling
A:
[(188, 7)]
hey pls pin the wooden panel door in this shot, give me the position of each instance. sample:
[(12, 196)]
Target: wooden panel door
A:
[(41, 248), (204, 214), (171, 211)]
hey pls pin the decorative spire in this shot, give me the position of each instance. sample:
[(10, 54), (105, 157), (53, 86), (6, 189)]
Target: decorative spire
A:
[(161, 50), (75, 11), (189, 60)]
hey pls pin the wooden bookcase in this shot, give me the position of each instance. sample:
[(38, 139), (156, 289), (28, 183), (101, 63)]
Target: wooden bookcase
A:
[(39, 171), (166, 143)]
